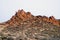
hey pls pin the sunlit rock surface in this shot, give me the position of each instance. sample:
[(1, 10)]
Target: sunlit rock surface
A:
[(25, 26)]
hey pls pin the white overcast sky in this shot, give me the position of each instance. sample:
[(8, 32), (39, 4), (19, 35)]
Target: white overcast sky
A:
[(36, 7)]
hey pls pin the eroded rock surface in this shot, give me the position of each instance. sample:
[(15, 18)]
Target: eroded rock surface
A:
[(25, 26)]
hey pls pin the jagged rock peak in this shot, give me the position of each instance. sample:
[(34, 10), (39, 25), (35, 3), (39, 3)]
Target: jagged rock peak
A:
[(21, 15)]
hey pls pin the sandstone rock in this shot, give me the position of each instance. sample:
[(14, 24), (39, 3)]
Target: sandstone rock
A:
[(29, 15), (45, 18), (53, 20), (23, 16), (24, 26)]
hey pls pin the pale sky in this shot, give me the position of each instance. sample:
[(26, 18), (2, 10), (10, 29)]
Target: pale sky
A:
[(36, 7)]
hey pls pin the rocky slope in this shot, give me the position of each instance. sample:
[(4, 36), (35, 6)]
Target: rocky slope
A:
[(25, 26)]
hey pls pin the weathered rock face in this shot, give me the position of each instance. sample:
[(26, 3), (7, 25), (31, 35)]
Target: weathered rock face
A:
[(24, 26), (51, 20), (24, 16), (20, 15)]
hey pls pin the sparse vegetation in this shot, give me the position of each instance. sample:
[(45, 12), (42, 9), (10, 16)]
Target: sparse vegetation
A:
[(24, 26)]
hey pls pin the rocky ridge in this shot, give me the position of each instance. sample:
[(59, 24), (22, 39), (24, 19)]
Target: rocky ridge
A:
[(24, 16), (25, 26)]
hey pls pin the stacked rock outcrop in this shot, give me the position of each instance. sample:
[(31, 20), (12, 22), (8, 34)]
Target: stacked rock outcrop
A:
[(21, 15), (25, 26)]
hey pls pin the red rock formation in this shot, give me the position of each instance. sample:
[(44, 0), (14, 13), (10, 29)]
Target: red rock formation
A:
[(53, 20), (45, 18), (21, 15)]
